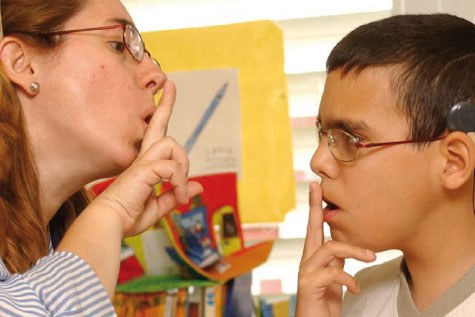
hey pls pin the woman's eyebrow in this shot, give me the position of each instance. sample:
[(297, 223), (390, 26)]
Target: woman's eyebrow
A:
[(122, 21)]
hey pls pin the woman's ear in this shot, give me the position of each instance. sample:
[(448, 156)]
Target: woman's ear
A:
[(15, 56), (458, 151)]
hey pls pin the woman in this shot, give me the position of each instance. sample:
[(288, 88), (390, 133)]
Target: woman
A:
[(77, 89)]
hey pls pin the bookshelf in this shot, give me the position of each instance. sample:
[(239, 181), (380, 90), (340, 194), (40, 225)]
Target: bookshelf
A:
[(171, 296)]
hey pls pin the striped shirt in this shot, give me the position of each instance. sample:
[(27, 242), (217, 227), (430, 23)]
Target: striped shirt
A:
[(60, 284)]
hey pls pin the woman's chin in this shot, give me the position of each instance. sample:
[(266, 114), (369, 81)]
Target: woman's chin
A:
[(120, 163), (125, 162)]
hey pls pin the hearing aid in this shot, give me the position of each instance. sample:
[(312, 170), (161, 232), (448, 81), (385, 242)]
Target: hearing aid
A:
[(461, 117)]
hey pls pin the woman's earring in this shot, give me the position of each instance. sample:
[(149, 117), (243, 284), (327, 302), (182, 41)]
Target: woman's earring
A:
[(34, 88)]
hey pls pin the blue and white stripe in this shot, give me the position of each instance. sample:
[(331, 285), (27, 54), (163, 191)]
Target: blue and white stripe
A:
[(60, 284)]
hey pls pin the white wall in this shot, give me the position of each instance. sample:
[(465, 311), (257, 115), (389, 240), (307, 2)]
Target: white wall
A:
[(462, 8)]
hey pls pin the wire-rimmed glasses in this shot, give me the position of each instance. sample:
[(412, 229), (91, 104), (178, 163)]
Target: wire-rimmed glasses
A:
[(131, 37), (345, 147)]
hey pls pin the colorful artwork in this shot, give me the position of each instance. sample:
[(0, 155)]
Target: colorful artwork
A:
[(206, 235), (207, 119)]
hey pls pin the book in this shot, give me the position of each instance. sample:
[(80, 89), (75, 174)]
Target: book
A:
[(166, 295), (276, 306), (195, 235)]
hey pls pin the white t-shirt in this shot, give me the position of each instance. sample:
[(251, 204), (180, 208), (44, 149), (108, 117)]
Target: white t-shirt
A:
[(385, 293)]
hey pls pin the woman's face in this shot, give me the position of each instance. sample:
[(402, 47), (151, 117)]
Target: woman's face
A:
[(95, 99)]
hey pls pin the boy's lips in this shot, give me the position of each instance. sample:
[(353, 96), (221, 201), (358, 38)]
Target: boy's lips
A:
[(330, 211)]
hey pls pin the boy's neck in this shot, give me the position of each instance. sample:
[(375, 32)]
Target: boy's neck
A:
[(439, 261)]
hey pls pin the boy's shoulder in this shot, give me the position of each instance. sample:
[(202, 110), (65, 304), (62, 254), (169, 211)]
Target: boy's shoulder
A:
[(379, 275), (379, 286)]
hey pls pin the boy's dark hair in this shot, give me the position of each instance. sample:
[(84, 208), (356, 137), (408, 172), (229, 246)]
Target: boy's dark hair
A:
[(434, 60)]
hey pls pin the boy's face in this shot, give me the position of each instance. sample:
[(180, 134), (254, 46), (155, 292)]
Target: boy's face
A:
[(381, 197)]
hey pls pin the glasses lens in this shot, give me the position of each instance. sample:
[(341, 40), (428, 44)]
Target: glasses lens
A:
[(134, 42), (157, 63), (153, 59), (320, 132), (342, 145)]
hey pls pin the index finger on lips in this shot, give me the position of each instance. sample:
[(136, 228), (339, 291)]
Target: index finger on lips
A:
[(158, 125), (314, 237)]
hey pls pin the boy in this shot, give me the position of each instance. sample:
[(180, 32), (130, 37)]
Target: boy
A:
[(393, 176)]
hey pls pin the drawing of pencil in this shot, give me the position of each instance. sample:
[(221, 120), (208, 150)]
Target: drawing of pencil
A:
[(205, 118)]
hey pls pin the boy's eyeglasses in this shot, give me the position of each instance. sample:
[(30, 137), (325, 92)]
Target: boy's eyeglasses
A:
[(345, 147), (131, 37)]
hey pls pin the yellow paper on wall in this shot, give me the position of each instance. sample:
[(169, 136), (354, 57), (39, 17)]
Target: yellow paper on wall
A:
[(266, 189)]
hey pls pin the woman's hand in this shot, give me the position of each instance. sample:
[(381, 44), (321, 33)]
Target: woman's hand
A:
[(321, 274), (132, 195), (129, 206)]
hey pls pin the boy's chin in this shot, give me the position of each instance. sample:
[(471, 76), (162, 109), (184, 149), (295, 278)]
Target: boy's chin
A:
[(363, 242)]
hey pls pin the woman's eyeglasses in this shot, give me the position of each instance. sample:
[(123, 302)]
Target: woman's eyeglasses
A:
[(345, 147), (131, 37)]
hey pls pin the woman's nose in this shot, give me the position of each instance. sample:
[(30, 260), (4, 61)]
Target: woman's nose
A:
[(151, 77)]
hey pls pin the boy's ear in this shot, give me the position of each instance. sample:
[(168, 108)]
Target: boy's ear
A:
[(458, 151), (15, 56)]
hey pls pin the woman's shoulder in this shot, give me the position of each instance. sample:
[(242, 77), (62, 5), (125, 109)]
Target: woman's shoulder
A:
[(58, 284), (4, 272)]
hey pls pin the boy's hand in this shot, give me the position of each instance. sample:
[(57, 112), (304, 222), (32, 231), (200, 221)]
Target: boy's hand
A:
[(321, 274)]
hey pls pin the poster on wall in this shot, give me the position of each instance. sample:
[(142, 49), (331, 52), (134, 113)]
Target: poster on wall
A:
[(254, 51), (206, 119)]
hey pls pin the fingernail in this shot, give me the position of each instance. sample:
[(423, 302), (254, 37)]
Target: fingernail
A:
[(369, 253)]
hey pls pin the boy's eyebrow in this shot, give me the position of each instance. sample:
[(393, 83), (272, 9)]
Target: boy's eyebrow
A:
[(345, 125)]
